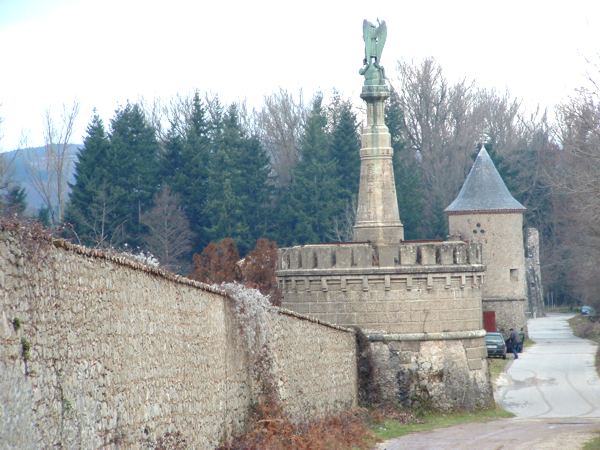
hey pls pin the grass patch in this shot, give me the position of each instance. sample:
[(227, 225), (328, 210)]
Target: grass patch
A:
[(594, 444), (561, 309), (496, 367), (584, 328), (391, 428)]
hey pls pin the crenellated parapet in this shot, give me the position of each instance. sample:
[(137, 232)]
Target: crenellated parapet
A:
[(409, 256), (412, 287)]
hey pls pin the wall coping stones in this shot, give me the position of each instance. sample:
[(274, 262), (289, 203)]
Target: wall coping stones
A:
[(288, 312), (117, 258), (443, 336), (403, 257), (125, 261)]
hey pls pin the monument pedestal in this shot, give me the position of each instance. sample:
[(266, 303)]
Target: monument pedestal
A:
[(377, 216)]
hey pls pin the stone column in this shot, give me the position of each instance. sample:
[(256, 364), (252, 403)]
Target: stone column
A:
[(377, 216)]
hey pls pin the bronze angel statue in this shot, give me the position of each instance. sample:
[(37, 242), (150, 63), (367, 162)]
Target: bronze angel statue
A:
[(374, 37)]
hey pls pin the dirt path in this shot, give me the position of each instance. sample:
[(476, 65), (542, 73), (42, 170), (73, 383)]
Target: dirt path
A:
[(553, 389)]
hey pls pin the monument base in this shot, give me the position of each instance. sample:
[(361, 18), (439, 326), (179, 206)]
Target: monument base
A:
[(379, 234)]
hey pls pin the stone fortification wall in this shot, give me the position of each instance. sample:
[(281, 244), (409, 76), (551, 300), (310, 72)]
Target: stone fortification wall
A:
[(418, 305), (510, 313), (443, 372), (98, 351), (535, 292), (501, 238), (406, 288)]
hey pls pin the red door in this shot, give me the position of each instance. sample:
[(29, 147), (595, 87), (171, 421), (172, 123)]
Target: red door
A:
[(489, 320)]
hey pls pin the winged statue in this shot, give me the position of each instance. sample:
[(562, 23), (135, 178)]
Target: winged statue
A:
[(374, 37)]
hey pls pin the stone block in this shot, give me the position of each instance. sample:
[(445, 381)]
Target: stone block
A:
[(426, 254), (345, 319), (389, 255), (374, 306), (318, 308), (325, 256), (309, 257), (474, 253), (408, 254), (475, 353), (295, 259), (460, 254), (343, 256), (446, 252), (369, 318), (475, 364), (362, 256)]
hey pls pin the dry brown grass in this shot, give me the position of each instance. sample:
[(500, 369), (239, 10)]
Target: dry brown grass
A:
[(350, 430)]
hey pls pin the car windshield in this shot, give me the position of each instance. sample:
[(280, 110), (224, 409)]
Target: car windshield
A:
[(494, 338)]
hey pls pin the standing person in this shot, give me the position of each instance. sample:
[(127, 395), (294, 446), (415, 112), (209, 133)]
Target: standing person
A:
[(514, 342), (521, 340)]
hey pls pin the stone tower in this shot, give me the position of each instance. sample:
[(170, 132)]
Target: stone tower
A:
[(377, 216), (486, 213), (417, 304)]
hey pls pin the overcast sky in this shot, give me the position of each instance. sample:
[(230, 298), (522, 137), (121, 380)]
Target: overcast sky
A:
[(105, 52)]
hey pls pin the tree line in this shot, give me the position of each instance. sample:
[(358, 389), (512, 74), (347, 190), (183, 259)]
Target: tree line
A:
[(171, 179)]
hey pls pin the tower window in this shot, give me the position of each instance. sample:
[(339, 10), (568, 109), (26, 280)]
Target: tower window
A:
[(514, 274)]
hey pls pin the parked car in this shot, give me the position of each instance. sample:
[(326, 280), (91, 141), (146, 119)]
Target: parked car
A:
[(496, 347), (587, 310)]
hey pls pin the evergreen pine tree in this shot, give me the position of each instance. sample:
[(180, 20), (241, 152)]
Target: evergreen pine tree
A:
[(14, 202), (407, 172), (134, 154), (191, 184), (91, 210), (311, 202), (345, 149), (255, 190), (237, 185)]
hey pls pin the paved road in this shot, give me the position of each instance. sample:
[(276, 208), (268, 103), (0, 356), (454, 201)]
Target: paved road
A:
[(554, 378), (553, 389)]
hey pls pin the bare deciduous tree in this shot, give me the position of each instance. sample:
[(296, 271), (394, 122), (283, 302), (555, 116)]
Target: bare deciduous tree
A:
[(343, 226), (279, 124), (443, 123), (169, 237), (576, 179), (49, 172)]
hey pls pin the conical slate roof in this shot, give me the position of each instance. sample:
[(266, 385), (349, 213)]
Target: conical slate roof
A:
[(484, 190)]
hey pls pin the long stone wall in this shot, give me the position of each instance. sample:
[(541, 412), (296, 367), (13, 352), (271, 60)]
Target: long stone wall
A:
[(97, 351)]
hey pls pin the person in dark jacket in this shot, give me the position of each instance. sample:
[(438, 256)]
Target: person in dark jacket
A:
[(514, 342), (521, 340)]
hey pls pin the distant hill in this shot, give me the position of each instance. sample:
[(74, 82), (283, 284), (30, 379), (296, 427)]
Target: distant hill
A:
[(19, 160)]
